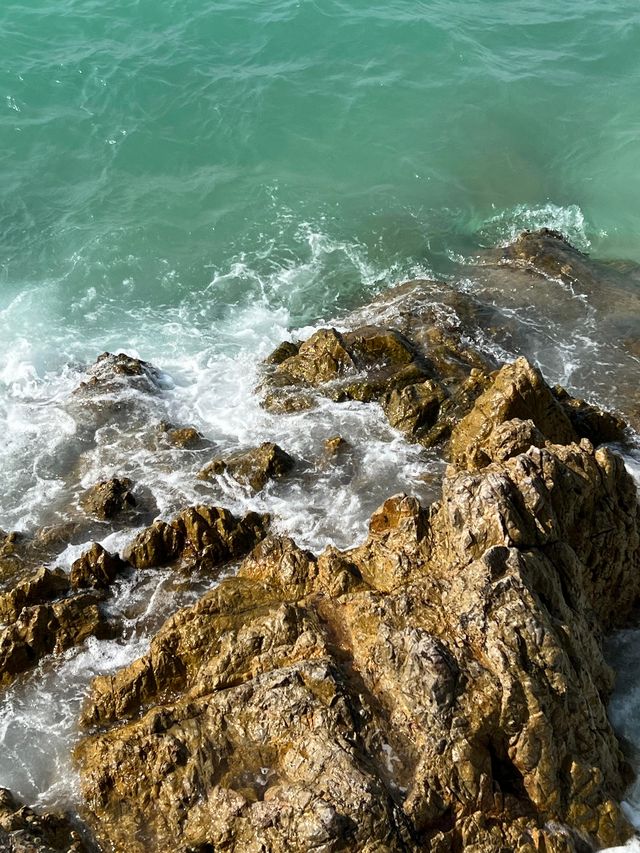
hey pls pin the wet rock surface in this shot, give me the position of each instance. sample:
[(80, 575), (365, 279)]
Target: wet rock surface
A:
[(440, 687), (22, 830), (252, 468), (48, 628), (201, 536), (412, 349), (109, 498), (96, 568), (111, 371)]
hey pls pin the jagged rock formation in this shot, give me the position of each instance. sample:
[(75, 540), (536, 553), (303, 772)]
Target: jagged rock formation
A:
[(96, 568), (410, 349), (252, 468), (41, 619), (202, 536), (111, 372), (184, 437), (440, 687), (423, 382)]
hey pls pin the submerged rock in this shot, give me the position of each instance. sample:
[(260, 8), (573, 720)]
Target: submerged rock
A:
[(440, 687), (23, 830), (184, 437), (253, 468), (110, 372), (201, 536), (335, 445)]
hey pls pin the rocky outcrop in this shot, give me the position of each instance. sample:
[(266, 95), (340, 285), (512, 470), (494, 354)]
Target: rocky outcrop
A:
[(424, 383), (43, 585), (96, 569), (519, 410), (356, 365), (111, 372), (109, 498), (183, 437), (39, 622), (440, 687), (252, 468), (201, 536), (22, 830)]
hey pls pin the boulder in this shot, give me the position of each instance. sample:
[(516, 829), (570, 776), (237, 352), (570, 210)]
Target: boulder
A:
[(424, 380), (182, 437), (356, 365), (283, 351), (252, 468), (96, 568), (440, 687), (200, 537), (517, 410), (414, 409), (157, 545), (111, 372), (109, 498)]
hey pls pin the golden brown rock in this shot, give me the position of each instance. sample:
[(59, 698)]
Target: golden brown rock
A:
[(440, 687), (415, 408), (518, 391), (109, 498), (253, 468), (201, 536), (96, 568), (50, 628), (43, 585)]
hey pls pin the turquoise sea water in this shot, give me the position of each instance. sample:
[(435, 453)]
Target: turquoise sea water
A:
[(304, 149), (190, 181)]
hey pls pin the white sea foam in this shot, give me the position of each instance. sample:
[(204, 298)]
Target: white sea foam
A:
[(506, 225)]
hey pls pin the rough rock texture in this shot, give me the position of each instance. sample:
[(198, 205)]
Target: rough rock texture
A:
[(109, 498), (43, 585), (23, 830), (526, 297), (40, 629), (362, 364), (335, 445), (440, 687), (40, 618), (110, 372), (422, 374), (200, 536), (96, 568), (519, 410), (253, 468)]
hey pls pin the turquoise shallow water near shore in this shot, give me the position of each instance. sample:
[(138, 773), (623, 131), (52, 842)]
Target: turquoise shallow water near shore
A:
[(302, 148), (190, 180)]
